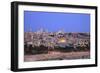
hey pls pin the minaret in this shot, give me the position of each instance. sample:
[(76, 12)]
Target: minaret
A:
[(30, 28), (30, 32), (41, 29)]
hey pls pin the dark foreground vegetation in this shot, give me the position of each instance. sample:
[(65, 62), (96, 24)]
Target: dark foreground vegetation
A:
[(29, 50)]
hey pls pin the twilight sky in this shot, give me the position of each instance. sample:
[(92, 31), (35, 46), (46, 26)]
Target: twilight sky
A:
[(53, 22)]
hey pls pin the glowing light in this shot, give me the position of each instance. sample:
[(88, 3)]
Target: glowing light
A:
[(62, 40)]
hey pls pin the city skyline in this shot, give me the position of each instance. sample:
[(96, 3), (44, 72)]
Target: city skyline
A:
[(53, 22)]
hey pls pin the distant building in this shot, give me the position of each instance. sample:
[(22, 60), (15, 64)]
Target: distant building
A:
[(60, 38)]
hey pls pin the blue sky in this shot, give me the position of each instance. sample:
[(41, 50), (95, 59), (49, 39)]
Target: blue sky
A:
[(55, 21)]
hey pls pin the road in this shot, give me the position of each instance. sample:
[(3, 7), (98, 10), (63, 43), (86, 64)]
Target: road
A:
[(57, 56)]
